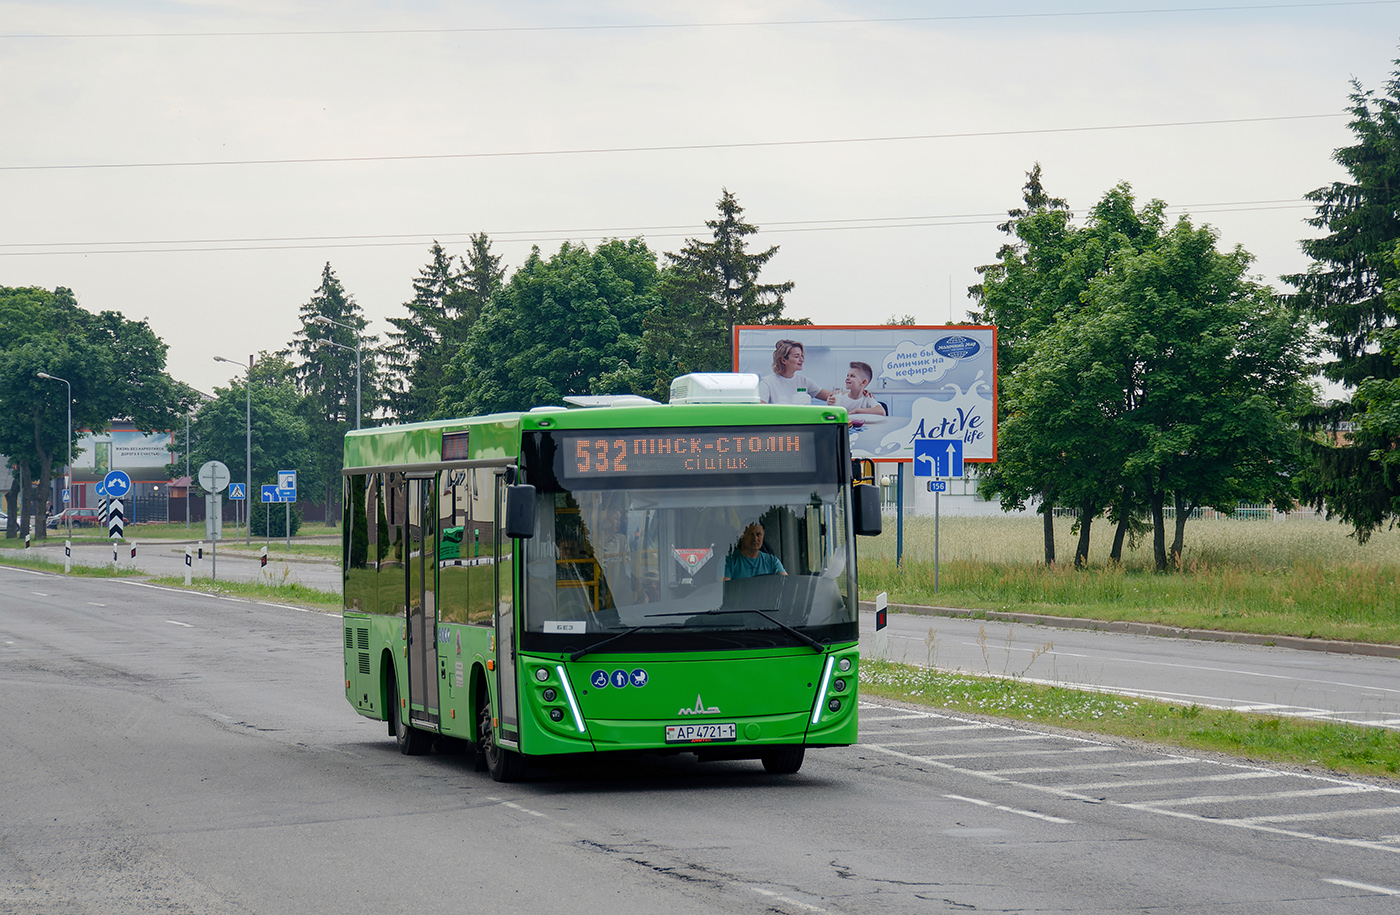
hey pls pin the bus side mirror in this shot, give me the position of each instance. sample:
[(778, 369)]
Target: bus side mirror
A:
[(865, 500), (520, 511)]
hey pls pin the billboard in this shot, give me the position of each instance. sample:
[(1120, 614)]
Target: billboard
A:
[(142, 455), (909, 383)]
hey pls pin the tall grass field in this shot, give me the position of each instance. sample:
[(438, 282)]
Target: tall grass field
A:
[(1300, 578)]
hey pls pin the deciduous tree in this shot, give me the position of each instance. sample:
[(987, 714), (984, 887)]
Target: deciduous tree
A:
[(559, 325)]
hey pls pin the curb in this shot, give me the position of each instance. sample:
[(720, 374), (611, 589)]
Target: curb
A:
[(1170, 632)]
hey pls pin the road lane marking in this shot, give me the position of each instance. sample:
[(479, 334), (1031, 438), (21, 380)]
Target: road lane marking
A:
[(999, 753), (786, 900), (957, 727), (1307, 817), (973, 741), (1271, 796), (178, 623), (1025, 813), (514, 806), (39, 594), (26, 571), (1370, 888), (1158, 782), (1132, 764)]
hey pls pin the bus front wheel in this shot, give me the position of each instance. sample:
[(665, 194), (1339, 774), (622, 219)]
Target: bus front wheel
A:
[(783, 760), (411, 741), (504, 765)]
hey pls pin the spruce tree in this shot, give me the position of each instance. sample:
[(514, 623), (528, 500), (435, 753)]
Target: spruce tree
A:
[(707, 288), (1351, 292)]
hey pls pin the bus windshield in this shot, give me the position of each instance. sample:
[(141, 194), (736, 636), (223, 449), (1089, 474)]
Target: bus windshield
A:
[(690, 567)]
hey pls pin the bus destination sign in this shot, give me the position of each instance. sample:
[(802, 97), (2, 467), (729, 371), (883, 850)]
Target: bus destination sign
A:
[(607, 454)]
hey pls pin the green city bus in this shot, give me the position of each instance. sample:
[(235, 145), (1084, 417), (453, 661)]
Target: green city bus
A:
[(617, 576)]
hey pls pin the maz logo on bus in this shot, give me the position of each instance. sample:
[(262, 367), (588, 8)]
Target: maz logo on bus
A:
[(700, 708)]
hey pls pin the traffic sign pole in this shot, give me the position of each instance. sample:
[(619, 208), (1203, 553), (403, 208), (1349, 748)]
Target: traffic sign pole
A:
[(116, 485)]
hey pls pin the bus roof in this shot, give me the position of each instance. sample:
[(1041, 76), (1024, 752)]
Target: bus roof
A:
[(497, 436)]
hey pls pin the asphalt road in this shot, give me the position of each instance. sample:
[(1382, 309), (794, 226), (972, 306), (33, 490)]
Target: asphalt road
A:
[(167, 752), (1280, 681), (1320, 685), (232, 561)]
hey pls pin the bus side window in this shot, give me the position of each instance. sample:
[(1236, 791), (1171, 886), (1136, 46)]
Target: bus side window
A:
[(479, 547), (358, 574), (452, 595)]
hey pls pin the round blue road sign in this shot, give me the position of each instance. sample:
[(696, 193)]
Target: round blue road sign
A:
[(117, 483)]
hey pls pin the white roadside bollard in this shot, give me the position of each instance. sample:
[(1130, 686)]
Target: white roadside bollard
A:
[(67, 556), (189, 564)]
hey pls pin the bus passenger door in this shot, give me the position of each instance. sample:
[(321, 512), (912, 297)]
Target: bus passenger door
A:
[(507, 702), (422, 604)]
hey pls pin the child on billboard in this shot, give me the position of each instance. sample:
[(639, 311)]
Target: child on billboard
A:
[(856, 398)]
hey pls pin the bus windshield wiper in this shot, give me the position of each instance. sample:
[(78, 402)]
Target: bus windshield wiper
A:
[(608, 641), (798, 634)]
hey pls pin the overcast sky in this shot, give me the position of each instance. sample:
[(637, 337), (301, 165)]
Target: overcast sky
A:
[(175, 160)]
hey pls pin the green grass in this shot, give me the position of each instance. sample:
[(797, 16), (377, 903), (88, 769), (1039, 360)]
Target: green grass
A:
[(1341, 748), (178, 531), (47, 564), (1300, 578), (290, 593)]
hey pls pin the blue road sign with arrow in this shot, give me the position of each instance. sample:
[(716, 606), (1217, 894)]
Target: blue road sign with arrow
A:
[(116, 483), (938, 457)]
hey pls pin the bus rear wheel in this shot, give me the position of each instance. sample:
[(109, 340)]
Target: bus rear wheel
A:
[(504, 765), (783, 760)]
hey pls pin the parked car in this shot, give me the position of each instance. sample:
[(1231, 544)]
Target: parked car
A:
[(80, 517)]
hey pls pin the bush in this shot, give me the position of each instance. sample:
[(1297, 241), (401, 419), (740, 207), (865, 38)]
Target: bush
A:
[(278, 520)]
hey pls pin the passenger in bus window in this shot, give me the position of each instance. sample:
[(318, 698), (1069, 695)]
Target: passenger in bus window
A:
[(749, 560)]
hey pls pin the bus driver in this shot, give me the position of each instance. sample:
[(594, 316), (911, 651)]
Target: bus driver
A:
[(749, 560)]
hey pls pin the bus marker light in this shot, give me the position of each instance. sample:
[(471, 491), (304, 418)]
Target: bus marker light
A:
[(569, 694), (821, 694), (490, 665), (452, 713)]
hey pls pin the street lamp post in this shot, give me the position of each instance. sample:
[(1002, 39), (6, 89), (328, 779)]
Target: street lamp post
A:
[(322, 319), (188, 481), (68, 471), (248, 466)]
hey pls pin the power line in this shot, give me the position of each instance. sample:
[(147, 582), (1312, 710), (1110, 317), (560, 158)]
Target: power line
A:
[(536, 236), (675, 26), (684, 147)]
